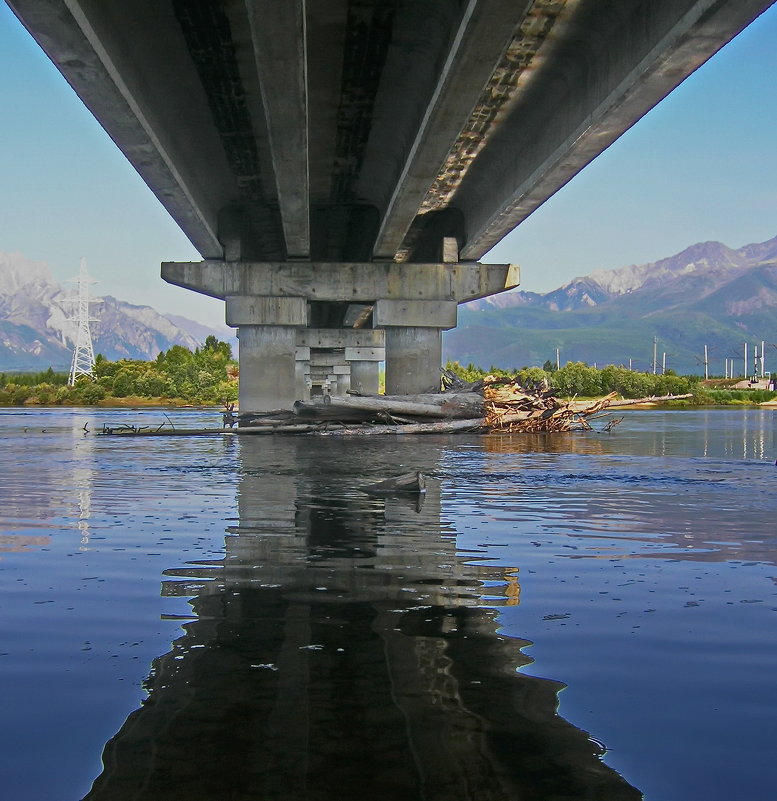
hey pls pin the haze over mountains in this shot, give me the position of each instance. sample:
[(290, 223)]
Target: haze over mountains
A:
[(35, 332), (708, 295)]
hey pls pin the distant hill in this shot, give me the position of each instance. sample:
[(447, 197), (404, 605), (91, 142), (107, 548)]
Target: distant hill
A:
[(708, 295), (35, 332)]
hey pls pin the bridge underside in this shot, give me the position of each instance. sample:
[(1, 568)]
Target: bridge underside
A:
[(365, 131)]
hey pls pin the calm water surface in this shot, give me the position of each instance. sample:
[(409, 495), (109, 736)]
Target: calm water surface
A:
[(588, 616)]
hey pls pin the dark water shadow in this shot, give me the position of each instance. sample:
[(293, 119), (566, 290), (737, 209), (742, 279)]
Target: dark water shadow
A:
[(342, 649)]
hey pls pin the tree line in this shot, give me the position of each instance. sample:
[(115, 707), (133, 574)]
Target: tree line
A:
[(207, 375)]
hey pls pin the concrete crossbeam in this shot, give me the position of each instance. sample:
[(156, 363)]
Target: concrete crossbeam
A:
[(415, 313), (350, 281), (365, 354), (253, 310), (318, 358), (341, 338)]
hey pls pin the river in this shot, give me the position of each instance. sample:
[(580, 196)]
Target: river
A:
[(576, 616)]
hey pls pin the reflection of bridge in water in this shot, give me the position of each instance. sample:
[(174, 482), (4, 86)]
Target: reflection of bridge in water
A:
[(342, 649)]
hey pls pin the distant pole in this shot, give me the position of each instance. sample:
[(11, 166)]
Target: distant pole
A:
[(558, 359), (755, 361), (763, 347), (663, 364), (629, 363), (744, 368), (655, 353), (706, 365)]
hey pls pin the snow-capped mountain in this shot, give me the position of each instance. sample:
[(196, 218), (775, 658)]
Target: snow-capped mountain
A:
[(36, 332), (709, 294)]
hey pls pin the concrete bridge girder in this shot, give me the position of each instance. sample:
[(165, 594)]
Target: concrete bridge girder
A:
[(343, 130)]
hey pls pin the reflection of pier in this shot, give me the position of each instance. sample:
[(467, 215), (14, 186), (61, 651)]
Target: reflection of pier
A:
[(340, 651)]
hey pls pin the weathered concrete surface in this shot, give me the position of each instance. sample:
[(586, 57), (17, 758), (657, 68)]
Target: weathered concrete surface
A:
[(344, 282), (365, 377), (415, 313), (267, 368), (257, 310), (413, 358), (341, 338), (360, 129)]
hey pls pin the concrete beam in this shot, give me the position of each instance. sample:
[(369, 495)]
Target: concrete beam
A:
[(326, 281), (326, 359), (341, 338), (415, 313), (159, 117), (252, 310), (365, 354), (485, 30), (595, 77), (279, 44)]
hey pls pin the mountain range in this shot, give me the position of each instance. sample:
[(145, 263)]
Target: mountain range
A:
[(36, 332), (708, 294)]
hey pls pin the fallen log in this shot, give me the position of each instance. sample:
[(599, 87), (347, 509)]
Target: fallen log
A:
[(407, 482), (447, 427), (442, 405), (651, 399), (503, 407)]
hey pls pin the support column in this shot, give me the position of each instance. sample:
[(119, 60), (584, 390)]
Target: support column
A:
[(302, 373), (267, 368), (414, 342), (267, 328), (365, 377), (413, 360)]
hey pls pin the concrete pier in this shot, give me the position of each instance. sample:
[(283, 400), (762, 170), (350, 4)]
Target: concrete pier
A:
[(404, 309)]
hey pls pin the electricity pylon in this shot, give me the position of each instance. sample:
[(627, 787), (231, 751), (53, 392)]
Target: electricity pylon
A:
[(83, 352)]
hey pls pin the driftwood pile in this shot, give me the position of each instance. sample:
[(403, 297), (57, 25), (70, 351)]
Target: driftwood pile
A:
[(494, 404)]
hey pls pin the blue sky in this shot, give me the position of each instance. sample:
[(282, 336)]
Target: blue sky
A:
[(700, 166)]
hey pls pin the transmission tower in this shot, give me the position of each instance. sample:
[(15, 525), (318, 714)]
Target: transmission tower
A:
[(83, 352)]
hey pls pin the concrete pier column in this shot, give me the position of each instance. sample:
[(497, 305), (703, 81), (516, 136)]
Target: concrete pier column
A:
[(267, 368), (414, 342), (267, 328), (302, 373), (413, 359), (365, 377)]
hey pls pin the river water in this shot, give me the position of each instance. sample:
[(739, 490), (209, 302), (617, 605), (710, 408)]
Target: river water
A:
[(583, 616)]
